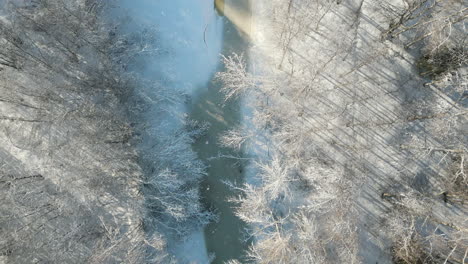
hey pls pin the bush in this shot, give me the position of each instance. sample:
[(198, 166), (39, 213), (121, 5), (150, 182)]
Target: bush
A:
[(442, 61)]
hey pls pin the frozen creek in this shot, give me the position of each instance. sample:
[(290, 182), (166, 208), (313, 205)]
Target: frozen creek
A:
[(193, 35)]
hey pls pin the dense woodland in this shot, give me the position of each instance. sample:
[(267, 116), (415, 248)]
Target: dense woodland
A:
[(74, 185), (358, 127)]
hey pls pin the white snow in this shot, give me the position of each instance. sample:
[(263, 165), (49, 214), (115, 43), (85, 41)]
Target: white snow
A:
[(189, 37), (191, 250)]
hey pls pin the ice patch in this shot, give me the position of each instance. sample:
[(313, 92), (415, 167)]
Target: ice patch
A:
[(188, 251)]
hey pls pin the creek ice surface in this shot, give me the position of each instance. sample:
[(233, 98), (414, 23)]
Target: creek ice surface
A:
[(190, 40), (189, 37)]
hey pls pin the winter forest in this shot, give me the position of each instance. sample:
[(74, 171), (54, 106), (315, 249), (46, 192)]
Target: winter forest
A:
[(234, 131)]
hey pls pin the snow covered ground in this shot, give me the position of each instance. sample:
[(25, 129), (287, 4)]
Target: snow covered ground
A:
[(350, 86)]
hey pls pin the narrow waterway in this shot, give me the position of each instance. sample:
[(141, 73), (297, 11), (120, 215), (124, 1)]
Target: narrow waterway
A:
[(191, 35), (224, 239)]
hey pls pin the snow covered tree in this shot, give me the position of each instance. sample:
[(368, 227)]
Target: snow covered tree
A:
[(75, 188)]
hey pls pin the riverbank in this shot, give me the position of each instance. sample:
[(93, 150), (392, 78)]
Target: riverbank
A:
[(189, 39), (89, 109)]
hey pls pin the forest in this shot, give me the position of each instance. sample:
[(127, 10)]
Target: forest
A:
[(235, 131)]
